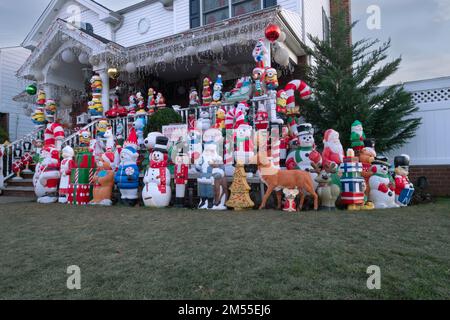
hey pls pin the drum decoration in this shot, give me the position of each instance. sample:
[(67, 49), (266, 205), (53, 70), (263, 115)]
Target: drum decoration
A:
[(352, 180)]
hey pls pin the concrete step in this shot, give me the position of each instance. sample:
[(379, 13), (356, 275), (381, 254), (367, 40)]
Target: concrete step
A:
[(20, 183), (19, 191)]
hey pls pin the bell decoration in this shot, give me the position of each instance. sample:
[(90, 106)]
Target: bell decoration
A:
[(272, 32), (113, 73), (31, 90)]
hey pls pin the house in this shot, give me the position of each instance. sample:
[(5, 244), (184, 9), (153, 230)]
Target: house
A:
[(430, 148), (12, 117), (166, 44)]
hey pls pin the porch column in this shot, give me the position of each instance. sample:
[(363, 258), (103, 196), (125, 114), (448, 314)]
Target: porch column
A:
[(103, 73)]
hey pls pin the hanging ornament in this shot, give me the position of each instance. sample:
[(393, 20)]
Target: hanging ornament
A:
[(68, 56), (216, 47), (282, 57), (168, 57), (67, 100), (83, 58), (282, 37), (38, 75), (113, 73), (31, 89), (130, 67), (191, 51), (55, 64), (272, 32)]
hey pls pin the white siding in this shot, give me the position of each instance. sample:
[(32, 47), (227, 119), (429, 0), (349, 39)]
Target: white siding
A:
[(292, 5), (430, 146), (181, 13), (161, 25), (10, 61), (313, 17), (87, 16)]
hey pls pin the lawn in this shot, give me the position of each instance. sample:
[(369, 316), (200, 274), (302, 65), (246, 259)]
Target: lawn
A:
[(179, 254)]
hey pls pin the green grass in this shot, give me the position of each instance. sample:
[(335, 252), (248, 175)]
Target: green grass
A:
[(178, 254)]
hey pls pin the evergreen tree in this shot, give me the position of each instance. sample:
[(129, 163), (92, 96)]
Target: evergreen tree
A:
[(346, 79)]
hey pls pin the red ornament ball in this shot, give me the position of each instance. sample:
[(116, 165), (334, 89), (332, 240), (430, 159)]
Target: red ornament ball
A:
[(273, 32)]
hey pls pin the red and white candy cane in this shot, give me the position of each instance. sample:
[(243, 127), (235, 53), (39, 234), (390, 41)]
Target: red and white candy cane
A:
[(275, 150), (234, 118), (301, 87), (229, 146)]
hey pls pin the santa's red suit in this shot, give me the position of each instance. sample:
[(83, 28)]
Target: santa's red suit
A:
[(333, 151), (53, 135), (290, 205)]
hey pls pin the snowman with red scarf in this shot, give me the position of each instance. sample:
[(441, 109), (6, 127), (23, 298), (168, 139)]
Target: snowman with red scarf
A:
[(47, 175), (157, 192)]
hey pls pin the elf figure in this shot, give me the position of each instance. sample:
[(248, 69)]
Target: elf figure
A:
[(67, 164), (404, 189), (217, 95), (157, 192), (258, 78), (206, 93), (127, 175), (181, 178), (357, 136)]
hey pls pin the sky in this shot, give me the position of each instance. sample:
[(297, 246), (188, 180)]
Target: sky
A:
[(419, 30)]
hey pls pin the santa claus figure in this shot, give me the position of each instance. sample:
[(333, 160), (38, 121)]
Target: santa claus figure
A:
[(67, 164), (47, 175), (404, 189), (290, 196), (333, 151), (357, 136)]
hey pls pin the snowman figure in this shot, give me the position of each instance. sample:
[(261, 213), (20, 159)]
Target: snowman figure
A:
[(204, 122), (157, 192), (382, 186), (127, 175), (139, 124)]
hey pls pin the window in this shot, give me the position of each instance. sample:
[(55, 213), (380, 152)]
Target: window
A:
[(211, 11), (326, 25)]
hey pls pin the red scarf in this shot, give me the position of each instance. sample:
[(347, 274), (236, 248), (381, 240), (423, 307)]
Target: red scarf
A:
[(162, 166)]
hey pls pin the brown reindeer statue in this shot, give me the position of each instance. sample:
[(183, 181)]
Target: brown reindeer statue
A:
[(277, 179)]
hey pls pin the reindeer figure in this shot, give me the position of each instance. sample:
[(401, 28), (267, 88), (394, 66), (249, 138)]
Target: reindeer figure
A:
[(276, 179), (328, 191)]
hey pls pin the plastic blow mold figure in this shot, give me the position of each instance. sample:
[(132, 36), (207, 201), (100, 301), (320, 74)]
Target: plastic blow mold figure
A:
[(127, 175), (104, 180), (404, 189), (382, 186), (67, 164)]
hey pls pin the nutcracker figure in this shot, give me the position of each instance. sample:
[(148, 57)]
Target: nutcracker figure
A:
[(181, 178), (404, 189)]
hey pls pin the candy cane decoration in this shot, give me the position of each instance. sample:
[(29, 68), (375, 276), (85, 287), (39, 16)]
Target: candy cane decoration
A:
[(275, 150), (234, 118), (229, 142), (301, 87)]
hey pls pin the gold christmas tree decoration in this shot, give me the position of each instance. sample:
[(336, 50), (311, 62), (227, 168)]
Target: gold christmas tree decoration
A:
[(240, 196)]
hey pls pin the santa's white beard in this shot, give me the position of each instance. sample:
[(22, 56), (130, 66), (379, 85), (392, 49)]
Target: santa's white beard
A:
[(334, 147)]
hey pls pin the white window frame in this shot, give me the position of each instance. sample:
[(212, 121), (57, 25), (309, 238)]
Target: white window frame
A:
[(230, 9)]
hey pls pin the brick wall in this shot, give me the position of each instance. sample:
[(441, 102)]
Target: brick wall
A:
[(438, 178)]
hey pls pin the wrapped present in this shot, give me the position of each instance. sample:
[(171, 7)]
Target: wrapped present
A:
[(85, 160), (81, 186)]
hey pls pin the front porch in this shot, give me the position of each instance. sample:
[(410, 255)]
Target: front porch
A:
[(64, 61)]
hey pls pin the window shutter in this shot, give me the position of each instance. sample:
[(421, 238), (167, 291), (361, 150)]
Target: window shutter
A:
[(194, 13), (270, 3)]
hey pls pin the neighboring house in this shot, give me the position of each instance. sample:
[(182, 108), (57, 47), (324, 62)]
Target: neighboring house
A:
[(12, 116), (430, 148), (154, 36)]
